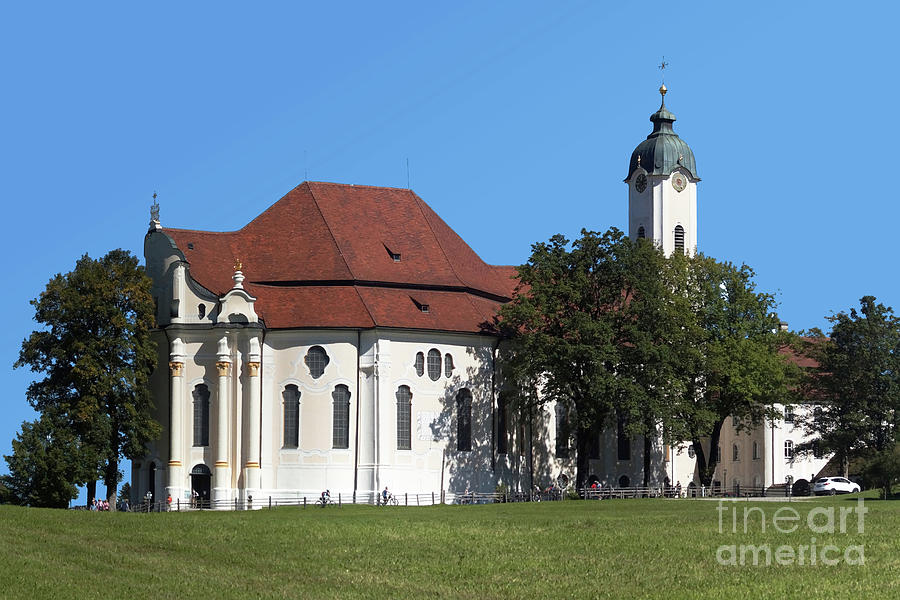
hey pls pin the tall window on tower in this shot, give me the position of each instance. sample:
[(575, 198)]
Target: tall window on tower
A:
[(641, 233), (201, 415), (679, 239), (341, 412)]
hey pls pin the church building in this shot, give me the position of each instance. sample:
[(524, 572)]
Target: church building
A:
[(341, 340)]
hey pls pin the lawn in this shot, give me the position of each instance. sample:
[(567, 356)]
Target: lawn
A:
[(607, 549)]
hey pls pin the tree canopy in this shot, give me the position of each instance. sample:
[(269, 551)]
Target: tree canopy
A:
[(856, 385), (612, 328), (96, 355), (44, 466)]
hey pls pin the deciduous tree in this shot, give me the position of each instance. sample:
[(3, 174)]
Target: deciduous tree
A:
[(856, 383), (43, 466), (564, 330), (96, 355)]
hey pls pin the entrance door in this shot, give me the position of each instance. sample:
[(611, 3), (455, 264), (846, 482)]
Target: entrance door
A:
[(200, 486)]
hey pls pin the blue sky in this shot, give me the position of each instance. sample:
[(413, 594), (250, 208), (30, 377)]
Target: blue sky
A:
[(517, 119)]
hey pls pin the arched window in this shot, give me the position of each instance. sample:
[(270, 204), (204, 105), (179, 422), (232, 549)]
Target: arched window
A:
[(562, 431), (718, 454), (404, 418), (448, 366), (755, 450), (201, 415), (735, 453), (502, 433), (624, 481), (434, 364), (788, 449), (291, 396), (817, 450), (789, 414), (641, 233), (420, 364), (341, 417), (623, 440), (316, 360), (464, 420), (679, 239)]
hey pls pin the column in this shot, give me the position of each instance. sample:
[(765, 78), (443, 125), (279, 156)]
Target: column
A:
[(222, 475), (251, 467), (176, 410)]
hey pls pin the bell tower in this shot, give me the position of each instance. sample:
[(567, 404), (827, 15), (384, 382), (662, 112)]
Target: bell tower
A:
[(662, 187)]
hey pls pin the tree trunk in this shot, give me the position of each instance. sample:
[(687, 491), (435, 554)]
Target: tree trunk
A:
[(707, 469), (111, 479), (845, 463), (91, 491), (648, 449), (582, 456)]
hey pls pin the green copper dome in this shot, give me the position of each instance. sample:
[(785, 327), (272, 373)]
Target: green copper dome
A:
[(663, 151)]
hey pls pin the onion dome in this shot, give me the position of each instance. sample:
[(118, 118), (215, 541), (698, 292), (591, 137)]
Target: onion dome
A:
[(663, 151)]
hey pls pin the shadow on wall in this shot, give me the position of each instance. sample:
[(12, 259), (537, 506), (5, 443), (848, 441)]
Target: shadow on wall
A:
[(465, 423), (469, 426)]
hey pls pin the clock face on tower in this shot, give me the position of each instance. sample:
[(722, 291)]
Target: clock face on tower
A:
[(679, 182), (640, 184)]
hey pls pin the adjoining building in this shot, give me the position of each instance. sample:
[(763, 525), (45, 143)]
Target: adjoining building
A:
[(341, 340)]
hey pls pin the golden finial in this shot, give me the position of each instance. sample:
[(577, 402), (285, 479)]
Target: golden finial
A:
[(663, 89), (238, 265)]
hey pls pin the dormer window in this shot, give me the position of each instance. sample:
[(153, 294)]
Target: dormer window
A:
[(395, 256), (190, 245), (423, 307)]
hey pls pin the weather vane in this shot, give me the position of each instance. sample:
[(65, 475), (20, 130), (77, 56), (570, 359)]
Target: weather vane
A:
[(154, 209), (662, 67)]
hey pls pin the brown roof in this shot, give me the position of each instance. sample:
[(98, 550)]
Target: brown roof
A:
[(322, 257)]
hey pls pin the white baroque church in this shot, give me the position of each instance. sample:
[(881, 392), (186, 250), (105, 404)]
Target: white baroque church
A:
[(341, 341)]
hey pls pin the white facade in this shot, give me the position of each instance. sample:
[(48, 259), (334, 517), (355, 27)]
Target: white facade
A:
[(246, 371)]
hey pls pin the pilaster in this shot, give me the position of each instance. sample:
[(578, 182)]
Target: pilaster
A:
[(176, 409), (251, 466), (222, 474)]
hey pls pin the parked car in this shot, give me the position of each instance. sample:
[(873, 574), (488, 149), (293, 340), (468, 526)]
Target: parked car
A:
[(834, 485)]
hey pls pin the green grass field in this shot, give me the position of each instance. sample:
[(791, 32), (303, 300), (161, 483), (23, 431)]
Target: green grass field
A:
[(608, 549)]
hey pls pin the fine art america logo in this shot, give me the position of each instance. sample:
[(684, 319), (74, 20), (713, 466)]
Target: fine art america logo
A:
[(829, 522)]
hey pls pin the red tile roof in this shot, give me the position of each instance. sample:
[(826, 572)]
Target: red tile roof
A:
[(322, 257)]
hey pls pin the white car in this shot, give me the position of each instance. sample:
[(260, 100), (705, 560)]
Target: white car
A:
[(834, 485)]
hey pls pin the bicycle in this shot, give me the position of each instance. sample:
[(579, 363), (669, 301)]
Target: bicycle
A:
[(324, 501), (391, 499)]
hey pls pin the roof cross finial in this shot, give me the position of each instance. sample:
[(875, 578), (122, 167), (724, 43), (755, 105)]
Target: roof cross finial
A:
[(662, 89), (154, 214)]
